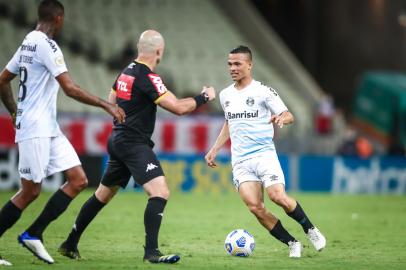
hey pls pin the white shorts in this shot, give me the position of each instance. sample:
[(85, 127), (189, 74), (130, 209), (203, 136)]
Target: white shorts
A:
[(265, 169), (41, 157)]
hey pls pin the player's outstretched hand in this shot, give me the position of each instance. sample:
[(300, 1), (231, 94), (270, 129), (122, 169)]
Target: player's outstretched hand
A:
[(117, 112), (277, 119), (210, 92), (210, 157)]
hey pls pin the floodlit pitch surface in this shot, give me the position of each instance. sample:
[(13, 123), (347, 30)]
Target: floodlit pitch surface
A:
[(363, 232)]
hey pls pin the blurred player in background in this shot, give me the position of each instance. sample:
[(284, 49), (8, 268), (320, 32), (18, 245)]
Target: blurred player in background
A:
[(250, 108), (138, 90), (43, 149)]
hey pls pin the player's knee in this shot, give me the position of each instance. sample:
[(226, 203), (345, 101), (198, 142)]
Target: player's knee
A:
[(279, 198), (80, 183), (30, 195), (84, 183), (164, 193), (257, 209)]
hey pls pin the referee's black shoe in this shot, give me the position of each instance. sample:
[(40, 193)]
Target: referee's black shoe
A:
[(155, 256), (69, 252)]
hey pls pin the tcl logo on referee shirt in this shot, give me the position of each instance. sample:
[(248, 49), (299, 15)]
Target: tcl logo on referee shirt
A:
[(124, 86), (158, 83)]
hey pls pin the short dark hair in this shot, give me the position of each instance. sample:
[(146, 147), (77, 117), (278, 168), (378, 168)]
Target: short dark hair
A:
[(242, 49), (49, 9)]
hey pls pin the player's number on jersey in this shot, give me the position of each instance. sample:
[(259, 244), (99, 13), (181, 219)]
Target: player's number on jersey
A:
[(22, 87)]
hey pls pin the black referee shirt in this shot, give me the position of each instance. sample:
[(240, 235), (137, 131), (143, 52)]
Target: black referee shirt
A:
[(138, 91)]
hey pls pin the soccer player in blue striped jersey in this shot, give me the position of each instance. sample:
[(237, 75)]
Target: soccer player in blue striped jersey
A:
[(250, 108)]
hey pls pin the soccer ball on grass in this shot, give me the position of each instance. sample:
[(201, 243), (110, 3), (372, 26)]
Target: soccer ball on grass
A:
[(239, 243)]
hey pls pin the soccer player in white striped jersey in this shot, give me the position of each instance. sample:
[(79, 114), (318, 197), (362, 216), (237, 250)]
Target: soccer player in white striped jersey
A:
[(250, 108), (43, 149)]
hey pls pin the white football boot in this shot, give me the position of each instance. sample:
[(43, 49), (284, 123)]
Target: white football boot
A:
[(316, 238), (295, 249), (4, 262), (34, 244)]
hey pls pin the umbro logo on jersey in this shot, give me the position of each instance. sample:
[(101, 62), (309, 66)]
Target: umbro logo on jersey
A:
[(227, 103), (273, 91), (51, 43), (151, 166)]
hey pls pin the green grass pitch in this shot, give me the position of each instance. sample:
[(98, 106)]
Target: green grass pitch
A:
[(363, 232)]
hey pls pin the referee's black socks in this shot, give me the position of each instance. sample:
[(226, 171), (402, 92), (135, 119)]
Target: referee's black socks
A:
[(56, 205), (300, 216), (152, 221), (87, 213), (9, 215)]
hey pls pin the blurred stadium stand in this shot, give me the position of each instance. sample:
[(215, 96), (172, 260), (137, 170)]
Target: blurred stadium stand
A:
[(198, 36)]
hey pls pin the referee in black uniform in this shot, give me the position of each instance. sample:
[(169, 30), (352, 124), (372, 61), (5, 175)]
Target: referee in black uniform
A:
[(138, 90)]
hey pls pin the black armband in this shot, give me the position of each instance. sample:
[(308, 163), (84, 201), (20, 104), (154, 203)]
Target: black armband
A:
[(201, 99)]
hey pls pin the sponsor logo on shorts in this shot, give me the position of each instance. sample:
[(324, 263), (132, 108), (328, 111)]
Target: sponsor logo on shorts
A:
[(25, 170), (151, 166), (273, 178)]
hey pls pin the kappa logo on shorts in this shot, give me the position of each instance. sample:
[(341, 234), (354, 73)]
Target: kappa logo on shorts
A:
[(151, 166)]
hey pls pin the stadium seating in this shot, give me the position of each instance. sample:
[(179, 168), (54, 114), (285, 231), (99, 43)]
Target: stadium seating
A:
[(198, 37), (95, 78)]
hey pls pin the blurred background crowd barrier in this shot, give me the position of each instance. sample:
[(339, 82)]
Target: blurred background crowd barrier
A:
[(331, 62), (181, 144)]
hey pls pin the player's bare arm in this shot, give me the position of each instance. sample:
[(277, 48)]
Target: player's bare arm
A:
[(185, 105), (74, 91), (112, 97), (284, 118), (6, 94), (222, 138)]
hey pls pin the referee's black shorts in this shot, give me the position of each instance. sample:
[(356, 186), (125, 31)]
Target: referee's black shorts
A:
[(129, 159)]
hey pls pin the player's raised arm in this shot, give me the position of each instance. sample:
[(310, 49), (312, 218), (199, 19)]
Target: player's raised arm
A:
[(186, 105), (74, 91), (222, 138)]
